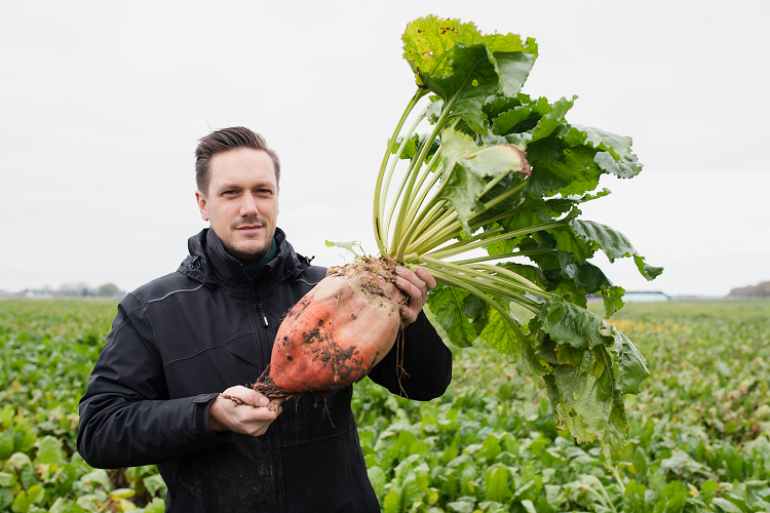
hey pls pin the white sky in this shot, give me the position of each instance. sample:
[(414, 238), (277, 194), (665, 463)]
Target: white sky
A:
[(101, 106)]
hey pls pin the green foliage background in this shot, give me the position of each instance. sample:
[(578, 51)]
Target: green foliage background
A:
[(698, 439)]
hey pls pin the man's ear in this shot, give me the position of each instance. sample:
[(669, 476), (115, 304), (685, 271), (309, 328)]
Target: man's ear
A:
[(201, 199)]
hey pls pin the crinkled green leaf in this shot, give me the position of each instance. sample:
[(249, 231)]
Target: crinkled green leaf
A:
[(586, 400), (477, 74), (531, 273), (514, 119), (593, 280), (585, 172), (513, 69), (567, 241), (498, 104), (530, 363), (17, 461), (586, 386), (21, 503), (429, 44), (6, 445), (674, 498), (154, 484), (548, 122), (631, 364), (446, 304), (35, 494), (620, 145), (633, 498), (499, 336), (720, 504), (588, 276), (98, 476), (561, 166), (536, 211), (572, 292), (491, 448), (475, 309), (613, 300), (496, 483), (590, 197), (49, 450), (6, 498), (472, 81), (569, 324), (648, 271), (510, 43), (540, 248), (590, 491), (392, 503), (156, 506), (682, 466), (628, 166), (378, 479), (612, 242), (7, 479)]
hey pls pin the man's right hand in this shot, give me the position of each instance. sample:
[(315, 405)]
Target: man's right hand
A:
[(252, 418)]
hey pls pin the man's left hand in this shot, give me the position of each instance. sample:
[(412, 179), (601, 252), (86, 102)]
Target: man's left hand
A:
[(416, 286)]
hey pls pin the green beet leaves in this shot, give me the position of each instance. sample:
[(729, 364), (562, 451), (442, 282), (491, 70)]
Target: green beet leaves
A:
[(489, 201), (592, 366)]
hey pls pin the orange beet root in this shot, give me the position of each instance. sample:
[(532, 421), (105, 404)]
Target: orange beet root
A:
[(339, 330)]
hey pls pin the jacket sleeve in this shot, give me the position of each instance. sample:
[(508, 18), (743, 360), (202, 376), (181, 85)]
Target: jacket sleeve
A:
[(126, 418), (426, 360)]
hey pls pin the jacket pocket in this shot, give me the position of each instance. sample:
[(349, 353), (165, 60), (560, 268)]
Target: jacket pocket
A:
[(236, 477), (326, 475)]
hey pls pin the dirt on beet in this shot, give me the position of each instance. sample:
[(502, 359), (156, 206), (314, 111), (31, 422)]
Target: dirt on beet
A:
[(337, 332)]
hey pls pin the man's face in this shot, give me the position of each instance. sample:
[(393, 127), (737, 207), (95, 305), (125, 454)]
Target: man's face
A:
[(242, 201)]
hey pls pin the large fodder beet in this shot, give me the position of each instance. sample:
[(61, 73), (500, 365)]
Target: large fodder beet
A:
[(339, 330)]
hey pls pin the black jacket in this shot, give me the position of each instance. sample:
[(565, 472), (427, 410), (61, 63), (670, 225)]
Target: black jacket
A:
[(181, 339)]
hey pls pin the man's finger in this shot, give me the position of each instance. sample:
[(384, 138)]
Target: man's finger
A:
[(248, 396), (410, 283), (425, 276), (411, 290)]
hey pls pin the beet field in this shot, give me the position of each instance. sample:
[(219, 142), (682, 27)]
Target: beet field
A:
[(698, 439)]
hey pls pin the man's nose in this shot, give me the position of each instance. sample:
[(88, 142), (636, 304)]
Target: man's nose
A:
[(249, 206)]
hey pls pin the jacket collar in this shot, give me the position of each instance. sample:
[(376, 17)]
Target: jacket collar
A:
[(210, 263)]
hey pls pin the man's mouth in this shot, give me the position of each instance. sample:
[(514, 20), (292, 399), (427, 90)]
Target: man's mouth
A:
[(250, 228)]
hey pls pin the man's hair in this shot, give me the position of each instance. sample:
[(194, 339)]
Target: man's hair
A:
[(227, 139)]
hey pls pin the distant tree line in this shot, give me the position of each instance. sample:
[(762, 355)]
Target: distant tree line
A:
[(73, 290), (760, 290)]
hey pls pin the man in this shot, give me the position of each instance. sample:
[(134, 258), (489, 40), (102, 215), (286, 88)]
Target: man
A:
[(180, 340)]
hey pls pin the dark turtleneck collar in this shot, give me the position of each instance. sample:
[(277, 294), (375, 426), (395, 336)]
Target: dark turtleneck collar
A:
[(209, 262), (252, 267)]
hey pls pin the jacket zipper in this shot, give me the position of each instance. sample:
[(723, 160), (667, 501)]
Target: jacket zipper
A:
[(278, 461), (260, 308), (262, 315)]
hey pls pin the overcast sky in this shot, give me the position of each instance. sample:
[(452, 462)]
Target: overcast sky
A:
[(101, 106)]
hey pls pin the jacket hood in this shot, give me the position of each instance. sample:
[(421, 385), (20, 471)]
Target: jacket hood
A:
[(210, 263)]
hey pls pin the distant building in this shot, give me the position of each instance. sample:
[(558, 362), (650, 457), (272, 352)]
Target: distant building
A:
[(38, 294), (645, 296)]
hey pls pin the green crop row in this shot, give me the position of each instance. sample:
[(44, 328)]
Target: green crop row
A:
[(698, 438)]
